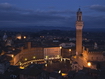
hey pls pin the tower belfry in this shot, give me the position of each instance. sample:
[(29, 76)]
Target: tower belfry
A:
[(79, 27)]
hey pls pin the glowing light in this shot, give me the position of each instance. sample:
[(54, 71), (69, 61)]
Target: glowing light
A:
[(41, 36), (60, 47), (21, 67), (24, 37), (64, 74), (25, 59), (58, 56), (64, 59), (46, 57), (18, 37), (70, 50), (31, 62), (59, 71), (61, 59), (12, 56), (13, 49), (89, 64), (75, 57), (34, 57), (20, 63), (52, 58), (46, 65)]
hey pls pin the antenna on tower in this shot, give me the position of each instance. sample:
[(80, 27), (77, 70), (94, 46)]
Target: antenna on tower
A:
[(79, 10)]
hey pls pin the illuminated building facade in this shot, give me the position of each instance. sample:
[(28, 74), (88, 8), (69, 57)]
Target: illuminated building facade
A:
[(35, 53), (52, 52), (85, 57), (79, 26)]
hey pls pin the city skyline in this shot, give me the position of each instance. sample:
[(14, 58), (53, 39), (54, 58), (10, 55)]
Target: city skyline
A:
[(57, 13)]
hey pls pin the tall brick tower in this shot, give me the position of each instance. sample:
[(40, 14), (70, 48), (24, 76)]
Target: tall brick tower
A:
[(79, 26)]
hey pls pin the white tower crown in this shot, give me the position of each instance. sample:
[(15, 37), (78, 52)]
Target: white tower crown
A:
[(79, 22), (79, 15)]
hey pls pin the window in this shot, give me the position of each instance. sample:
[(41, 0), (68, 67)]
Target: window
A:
[(96, 58), (79, 18), (92, 58)]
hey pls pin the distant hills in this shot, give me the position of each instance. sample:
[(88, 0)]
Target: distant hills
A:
[(39, 28), (34, 28)]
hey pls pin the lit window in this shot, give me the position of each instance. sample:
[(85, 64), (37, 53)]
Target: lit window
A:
[(92, 58)]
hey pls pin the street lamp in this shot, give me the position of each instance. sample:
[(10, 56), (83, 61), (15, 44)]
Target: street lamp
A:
[(12, 56), (34, 57), (89, 64), (59, 71), (25, 59), (24, 37), (60, 47), (69, 50)]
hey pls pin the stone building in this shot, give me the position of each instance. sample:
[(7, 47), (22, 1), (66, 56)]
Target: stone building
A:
[(86, 56)]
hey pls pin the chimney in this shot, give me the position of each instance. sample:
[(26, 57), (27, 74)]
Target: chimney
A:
[(29, 45)]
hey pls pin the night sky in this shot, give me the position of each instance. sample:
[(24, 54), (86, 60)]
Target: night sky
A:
[(59, 13)]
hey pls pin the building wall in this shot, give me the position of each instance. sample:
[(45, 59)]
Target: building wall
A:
[(79, 41), (29, 54), (67, 52), (17, 58), (92, 57), (52, 52), (95, 56), (85, 55), (36, 53)]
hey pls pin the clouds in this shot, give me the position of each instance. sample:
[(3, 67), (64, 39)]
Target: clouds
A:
[(100, 8), (95, 16), (7, 7), (12, 16), (36, 18)]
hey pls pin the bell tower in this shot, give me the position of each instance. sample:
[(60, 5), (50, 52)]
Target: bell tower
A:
[(79, 27)]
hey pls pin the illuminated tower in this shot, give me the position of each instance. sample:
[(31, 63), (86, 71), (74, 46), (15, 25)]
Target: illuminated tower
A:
[(79, 26)]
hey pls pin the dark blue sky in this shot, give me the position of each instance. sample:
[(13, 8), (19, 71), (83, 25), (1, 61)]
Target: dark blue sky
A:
[(15, 13)]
